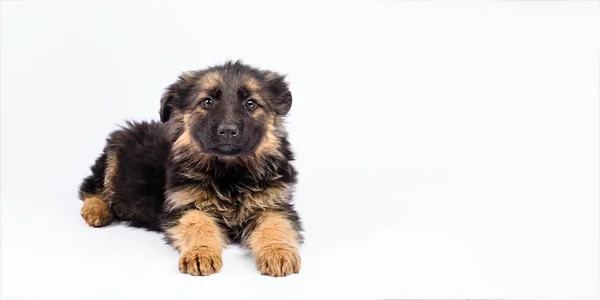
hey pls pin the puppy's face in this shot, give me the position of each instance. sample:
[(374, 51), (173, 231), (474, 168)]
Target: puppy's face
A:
[(228, 110)]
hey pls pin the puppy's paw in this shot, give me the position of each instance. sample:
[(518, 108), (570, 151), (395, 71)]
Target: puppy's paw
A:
[(278, 261), (95, 212), (202, 261)]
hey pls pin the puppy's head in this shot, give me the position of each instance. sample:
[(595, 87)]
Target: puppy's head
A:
[(229, 110)]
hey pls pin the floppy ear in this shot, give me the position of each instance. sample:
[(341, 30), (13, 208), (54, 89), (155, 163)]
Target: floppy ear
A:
[(166, 106), (171, 97), (282, 97), (171, 94)]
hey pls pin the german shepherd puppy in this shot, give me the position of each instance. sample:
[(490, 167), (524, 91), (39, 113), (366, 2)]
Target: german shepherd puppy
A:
[(215, 170)]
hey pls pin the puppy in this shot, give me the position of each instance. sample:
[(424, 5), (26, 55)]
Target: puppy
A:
[(215, 170)]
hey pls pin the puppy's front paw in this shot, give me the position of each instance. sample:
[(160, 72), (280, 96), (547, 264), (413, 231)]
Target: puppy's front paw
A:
[(278, 261), (202, 261)]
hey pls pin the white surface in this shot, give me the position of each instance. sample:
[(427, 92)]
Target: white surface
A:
[(445, 150)]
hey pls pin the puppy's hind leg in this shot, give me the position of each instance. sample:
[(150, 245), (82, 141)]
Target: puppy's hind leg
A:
[(95, 212), (96, 191)]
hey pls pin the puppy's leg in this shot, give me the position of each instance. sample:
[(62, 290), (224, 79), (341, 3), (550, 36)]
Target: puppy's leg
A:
[(274, 241), (95, 189), (200, 241), (95, 212)]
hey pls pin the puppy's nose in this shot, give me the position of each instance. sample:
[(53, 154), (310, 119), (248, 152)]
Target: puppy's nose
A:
[(228, 130)]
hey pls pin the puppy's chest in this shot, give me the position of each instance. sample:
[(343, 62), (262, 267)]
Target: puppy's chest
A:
[(235, 206)]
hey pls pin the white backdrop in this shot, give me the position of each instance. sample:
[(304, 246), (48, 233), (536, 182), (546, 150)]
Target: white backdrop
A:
[(445, 149)]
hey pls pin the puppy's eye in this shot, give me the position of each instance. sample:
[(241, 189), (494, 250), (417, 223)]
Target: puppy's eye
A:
[(251, 103), (207, 102)]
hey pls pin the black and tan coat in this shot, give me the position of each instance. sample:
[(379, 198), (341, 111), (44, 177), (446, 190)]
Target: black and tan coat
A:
[(215, 171)]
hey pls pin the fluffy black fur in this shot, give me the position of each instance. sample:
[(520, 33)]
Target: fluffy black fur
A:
[(142, 149)]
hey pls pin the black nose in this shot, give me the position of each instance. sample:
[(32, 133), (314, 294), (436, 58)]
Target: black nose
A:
[(228, 130)]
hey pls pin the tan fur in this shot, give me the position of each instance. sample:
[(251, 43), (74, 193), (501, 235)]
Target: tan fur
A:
[(274, 244), (95, 212), (251, 84), (270, 143), (184, 197), (186, 151), (200, 262), (185, 139), (184, 144), (268, 198), (210, 81), (236, 213), (199, 112), (112, 166), (200, 241)]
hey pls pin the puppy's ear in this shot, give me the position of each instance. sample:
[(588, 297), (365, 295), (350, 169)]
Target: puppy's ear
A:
[(281, 101), (170, 95), (166, 107)]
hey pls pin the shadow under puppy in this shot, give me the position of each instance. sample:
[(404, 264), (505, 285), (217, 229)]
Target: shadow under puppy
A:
[(216, 170)]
